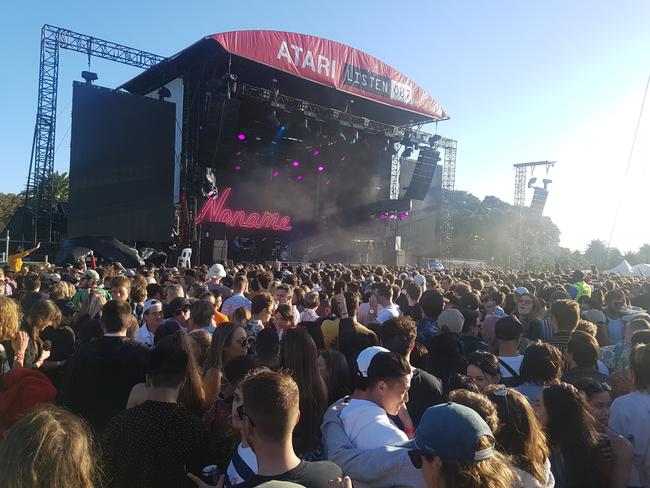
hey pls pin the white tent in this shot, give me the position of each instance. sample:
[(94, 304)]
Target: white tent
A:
[(625, 269)]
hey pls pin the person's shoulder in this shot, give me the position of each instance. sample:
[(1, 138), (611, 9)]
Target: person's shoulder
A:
[(316, 473), (425, 377)]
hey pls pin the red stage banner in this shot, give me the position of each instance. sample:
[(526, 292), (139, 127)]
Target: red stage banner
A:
[(333, 64)]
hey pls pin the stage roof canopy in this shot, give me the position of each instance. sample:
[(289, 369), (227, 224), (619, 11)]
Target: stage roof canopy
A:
[(380, 91)]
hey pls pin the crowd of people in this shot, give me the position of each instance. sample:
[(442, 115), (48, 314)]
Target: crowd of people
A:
[(322, 375)]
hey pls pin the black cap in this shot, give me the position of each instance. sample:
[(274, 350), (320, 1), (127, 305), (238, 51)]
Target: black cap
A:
[(508, 328), (468, 303), (179, 303)]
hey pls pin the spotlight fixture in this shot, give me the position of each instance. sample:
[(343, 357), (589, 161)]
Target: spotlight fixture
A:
[(532, 181), (546, 182), (89, 76)]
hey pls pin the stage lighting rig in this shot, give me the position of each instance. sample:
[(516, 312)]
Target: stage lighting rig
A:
[(532, 181), (89, 76), (163, 92)]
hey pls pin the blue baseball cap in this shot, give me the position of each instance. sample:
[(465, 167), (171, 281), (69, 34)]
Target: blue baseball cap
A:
[(451, 432)]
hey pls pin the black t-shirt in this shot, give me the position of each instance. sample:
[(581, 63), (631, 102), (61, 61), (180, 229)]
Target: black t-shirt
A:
[(309, 475), (426, 391), (63, 340)]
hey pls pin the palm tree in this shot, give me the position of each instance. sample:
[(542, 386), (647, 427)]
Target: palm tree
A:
[(60, 187), (596, 252), (631, 257)]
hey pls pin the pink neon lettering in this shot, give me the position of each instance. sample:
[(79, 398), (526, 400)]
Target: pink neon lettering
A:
[(214, 210)]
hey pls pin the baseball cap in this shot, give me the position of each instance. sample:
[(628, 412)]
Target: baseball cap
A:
[(521, 290), (129, 273), (451, 432), (508, 328), (468, 303), (151, 303), (365, 358), (92, 274), (178, 303), (594, 316), (452, 319), (217, 271)]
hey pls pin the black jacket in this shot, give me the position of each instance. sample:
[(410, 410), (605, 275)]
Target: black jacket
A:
[(100, 376)]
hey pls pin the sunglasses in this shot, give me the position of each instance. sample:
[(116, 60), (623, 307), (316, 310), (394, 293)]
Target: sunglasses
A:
[(241, 414), (416, 456)]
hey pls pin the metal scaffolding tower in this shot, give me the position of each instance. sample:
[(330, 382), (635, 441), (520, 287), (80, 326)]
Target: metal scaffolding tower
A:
[(521, 173), (39, 191), (448, 188)]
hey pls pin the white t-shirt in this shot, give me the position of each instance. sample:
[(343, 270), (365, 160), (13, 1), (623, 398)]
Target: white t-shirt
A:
[(630, 417), (145, 336), (243, 466), (387, 313), (368, 426), (513, 361)]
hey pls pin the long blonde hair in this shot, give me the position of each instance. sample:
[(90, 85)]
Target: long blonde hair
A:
[(92, 304), (48, 447), (10, 317)]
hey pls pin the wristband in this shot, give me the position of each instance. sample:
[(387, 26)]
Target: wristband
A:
[(409, 430), (19, 357)]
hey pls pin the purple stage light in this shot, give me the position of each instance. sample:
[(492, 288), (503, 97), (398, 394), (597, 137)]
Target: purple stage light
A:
[(343, 158), (316, 152), (392, 216), (383, 216), (403, 216), (295, 164), (299, 177), (237, 168), (321, 168), (241, 137), (276, 173)]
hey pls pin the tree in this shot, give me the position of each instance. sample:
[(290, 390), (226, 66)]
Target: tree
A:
[(60, 188), (8, 204), (596, 252), (644, 254), (631, 257)]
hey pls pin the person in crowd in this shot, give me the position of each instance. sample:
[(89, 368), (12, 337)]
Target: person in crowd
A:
[(179, 309), (334, 370), (520, 436), (483, 368), (577, 454), (616, 356), (120, 288), (598, 395), (579, 288), (343, 332), (432, 303), (479, 403), (200, 341), (90, 309), (614, 302), (453, 446), (42, 314), (15, 261), (216, 300), (446, 354), (311, 304), (299, 354), (261, 313), (242, 466), (528, 312), (100, 375), (89, 282), (381, 389), (470, 334), (49, 447), (238, 299), (509, 331), (202, 316), (267, 348), (630, 415), (413, 295), (541, 366), (153, 318), (582, 358), (31, 291), (283, 294), (284, 319), (398, 336), (268, 415), (13, 340), (493, 303), (241, 316), (157, 442), (385, 299), (564, 319), (229, 341), (191, 394), (60, 337)]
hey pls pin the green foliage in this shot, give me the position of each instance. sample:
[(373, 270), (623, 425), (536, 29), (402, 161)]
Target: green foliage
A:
[(8, 204), (60, 187)]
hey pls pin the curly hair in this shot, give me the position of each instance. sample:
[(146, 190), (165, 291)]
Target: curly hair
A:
[(10, 317), (480, 404)]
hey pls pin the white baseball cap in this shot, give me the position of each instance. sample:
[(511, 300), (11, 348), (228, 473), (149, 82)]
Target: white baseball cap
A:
[(365, 358)]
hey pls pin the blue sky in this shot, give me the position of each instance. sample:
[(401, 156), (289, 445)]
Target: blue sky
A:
[(522, 81)]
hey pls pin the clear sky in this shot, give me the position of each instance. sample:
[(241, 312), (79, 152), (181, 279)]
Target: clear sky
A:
[(522, 80)]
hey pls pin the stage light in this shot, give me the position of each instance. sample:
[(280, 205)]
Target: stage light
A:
[(433, 140), (295, 164), (241, 137), (392, 216), (327, 182), (546, 182), (237, 168), (343, 158), (316, 152), (531, 182), (321, 169), (383, 216), (89, 76), (276, 173), (403, 216), (299, 177)]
